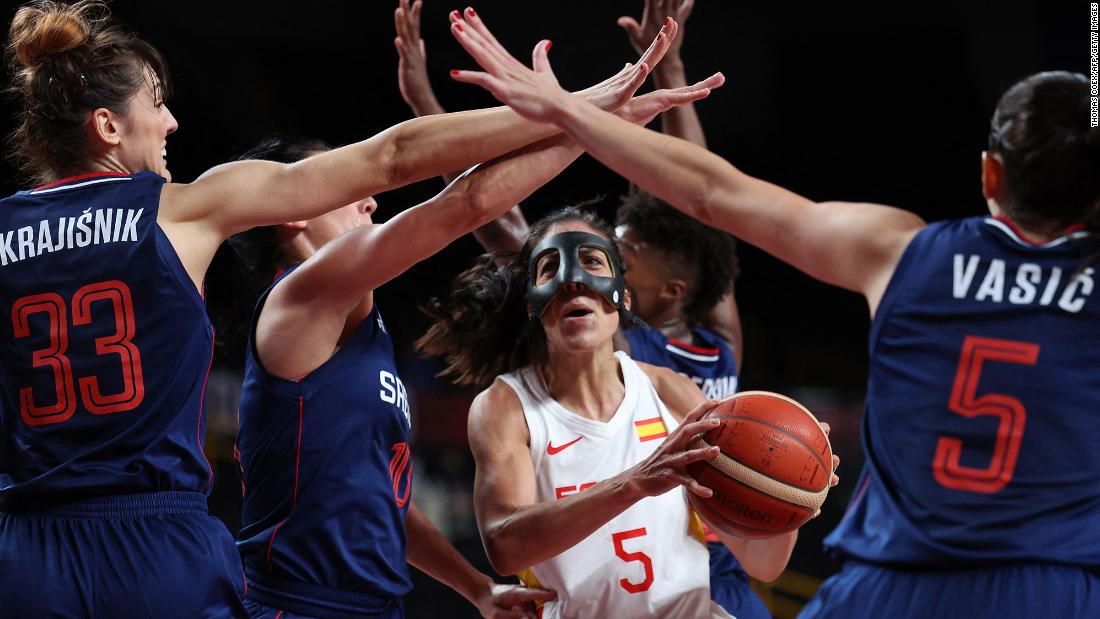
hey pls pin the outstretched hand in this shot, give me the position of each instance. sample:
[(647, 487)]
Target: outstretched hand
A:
[(412, 70), (642, 109), (654, 13), (512, 601), (535, 93)]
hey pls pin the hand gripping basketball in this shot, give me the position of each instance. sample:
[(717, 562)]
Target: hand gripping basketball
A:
[(774, 469), (666, 468)]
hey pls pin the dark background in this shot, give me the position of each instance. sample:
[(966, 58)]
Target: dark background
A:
[(882, 102)]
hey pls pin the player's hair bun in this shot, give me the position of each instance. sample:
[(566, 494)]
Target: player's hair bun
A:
[(44, 28)]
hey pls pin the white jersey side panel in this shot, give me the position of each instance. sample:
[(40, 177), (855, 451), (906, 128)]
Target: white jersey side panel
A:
[(645, 562)]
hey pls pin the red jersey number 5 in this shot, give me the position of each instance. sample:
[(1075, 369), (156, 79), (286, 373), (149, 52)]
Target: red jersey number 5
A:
[(631, 557), (965, 401)]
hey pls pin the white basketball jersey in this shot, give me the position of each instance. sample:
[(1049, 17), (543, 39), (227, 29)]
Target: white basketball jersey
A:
[(645, 562)]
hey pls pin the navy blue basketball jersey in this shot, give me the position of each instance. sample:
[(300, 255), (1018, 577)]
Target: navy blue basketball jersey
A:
[(105, 346), (709, 362), (327, 479), (983, 404)]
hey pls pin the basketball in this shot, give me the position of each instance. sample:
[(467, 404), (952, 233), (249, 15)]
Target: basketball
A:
[(773, 470)]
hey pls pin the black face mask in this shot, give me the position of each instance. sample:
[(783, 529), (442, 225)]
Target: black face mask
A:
[(568, 246)]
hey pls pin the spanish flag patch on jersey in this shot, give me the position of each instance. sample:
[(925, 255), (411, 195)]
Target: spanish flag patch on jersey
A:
[(650, 429)]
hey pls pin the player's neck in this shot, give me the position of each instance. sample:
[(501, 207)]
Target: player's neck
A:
[(588, 383), (674, 326)]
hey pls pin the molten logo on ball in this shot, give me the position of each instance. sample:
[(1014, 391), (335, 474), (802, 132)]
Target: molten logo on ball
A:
[(741, 508)]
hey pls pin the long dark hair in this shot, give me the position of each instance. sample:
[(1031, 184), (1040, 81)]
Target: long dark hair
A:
[(1050, 154), (481, 330), (68, 60), (247, 262)]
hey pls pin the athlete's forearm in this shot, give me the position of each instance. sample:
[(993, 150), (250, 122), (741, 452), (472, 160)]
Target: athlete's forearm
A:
[(680, 173), (505, 233), (763, 559), (535, 533), (432, 554), (334, 280), (493, 188), (680, 121), (442, 143)]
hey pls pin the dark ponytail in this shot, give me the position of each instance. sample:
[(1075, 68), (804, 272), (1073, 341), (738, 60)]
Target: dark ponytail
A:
[(1050, 153), (481, 330)]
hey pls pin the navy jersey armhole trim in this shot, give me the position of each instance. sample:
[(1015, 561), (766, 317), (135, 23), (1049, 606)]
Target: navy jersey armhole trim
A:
[(309, 383), (169, 256), (894, 287)]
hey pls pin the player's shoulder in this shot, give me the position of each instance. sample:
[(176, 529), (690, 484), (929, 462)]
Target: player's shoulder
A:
[(496, 413), (498, 403)]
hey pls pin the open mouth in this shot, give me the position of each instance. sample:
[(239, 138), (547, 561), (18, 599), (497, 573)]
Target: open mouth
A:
[(579, 312)]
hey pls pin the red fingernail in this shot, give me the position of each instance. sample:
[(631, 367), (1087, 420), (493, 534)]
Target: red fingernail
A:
[(548, 44), (470, 11), (454, 72), (458, 26), (454, 15)]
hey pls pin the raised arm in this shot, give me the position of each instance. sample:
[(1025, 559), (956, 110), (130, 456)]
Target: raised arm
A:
[(853, 245), (505, 233), (516, 531), (725, 320), (241, 195), (682, 121), (315, 300), (412, 69)]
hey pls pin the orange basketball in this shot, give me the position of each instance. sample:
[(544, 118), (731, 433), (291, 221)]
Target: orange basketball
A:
[(774, 468)]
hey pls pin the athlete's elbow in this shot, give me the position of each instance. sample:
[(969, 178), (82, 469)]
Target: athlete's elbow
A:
[(501, 557), (398, 159), (766, 572)]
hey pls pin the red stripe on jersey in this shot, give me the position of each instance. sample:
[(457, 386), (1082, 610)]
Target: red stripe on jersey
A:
[(202, 417), (1020, 233), (294, 496), (695, 349), (79, 177)]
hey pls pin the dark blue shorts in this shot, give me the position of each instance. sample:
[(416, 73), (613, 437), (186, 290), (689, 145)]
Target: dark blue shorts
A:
[(145, 555), (1011, 591), (729, 585)]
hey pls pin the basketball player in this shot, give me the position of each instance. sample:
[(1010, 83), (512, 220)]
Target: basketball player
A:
[(572, 481), (979, 498), (106, 344), (324, 417), (680, 272)]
